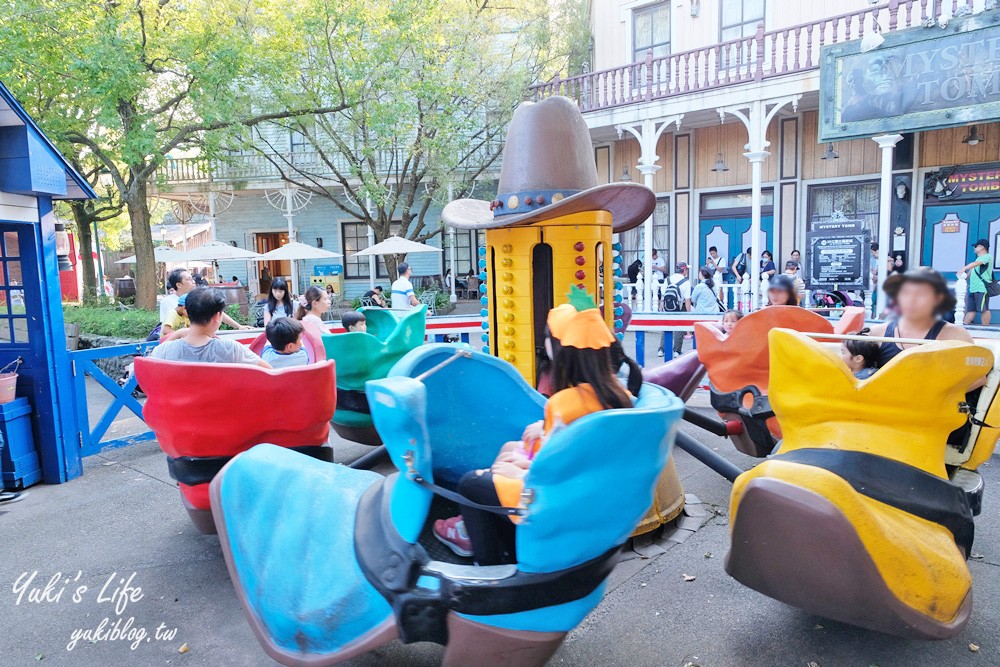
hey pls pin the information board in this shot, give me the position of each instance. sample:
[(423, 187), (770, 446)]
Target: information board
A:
[(838, 256)]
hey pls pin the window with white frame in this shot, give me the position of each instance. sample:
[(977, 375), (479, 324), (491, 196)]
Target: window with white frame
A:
[(651, 30), (467, 244), (633, 241), (856, 201), (739, 18), (354, 236)]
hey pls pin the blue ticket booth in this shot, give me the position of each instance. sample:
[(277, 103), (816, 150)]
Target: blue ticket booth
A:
[(32, 176)]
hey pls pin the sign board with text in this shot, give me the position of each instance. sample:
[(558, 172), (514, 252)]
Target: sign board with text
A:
[(981, 181), (838, 256), (918, 79)]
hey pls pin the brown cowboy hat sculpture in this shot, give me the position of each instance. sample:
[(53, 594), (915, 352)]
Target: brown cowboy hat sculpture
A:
[(549, 171)]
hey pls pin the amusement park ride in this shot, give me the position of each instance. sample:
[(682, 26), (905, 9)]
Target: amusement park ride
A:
[(860, 509)]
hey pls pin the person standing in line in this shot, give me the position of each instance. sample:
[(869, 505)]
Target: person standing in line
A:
[(402, 290), (703, 298), (718, 265), (797, 258), (659, 267), (980, 272), (676, 299)]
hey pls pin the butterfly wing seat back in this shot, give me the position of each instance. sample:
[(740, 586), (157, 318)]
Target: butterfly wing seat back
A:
[(363, 356), (336, 568), (738, 367), (230, 408), (854, 518), (979, 445)]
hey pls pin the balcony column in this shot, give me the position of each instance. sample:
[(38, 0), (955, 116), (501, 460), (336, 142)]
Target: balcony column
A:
[(211, 213), (372, 262), (756, 159), (756, 117), (886, 142), (648, 133), (451, 250), (289, 216)]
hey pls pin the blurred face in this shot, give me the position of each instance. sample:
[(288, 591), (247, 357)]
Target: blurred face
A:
[(729, 321), (918, 301), (777, 297), (278, 293), (790, 270), (360, 326), (980, 250), (796, 256), (713, 253)]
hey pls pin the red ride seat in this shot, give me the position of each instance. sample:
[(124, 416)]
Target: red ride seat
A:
[(204, 414)]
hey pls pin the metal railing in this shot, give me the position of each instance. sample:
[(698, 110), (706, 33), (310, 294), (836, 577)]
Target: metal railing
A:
[(271, 166), (762, 56)]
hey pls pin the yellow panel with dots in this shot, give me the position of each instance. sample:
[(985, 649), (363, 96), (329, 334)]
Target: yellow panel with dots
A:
[(581, 245), (510, 296)]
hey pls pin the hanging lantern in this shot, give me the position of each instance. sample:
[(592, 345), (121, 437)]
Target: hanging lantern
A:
[(62, 247)]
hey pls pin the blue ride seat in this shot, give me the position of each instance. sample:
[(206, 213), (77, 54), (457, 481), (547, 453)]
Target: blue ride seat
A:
[(327, 561)]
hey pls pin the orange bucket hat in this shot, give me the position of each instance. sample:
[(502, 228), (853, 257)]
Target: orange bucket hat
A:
[(579, 323)]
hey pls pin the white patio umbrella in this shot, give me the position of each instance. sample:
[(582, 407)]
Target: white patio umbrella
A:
[(162, 254), (396, 245), (216, 251), (293, 250)]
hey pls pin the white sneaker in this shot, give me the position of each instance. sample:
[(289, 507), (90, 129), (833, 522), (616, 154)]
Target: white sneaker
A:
[(659, 353)]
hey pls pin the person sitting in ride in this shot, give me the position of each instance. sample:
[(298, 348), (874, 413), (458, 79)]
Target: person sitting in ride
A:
[(729, 320), (922, 297), (352, 320), (312, 306), (861, 356), (781, 291), (284, 343), (579, 344)]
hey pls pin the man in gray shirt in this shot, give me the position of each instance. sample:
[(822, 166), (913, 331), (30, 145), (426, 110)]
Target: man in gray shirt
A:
[(204, 309)]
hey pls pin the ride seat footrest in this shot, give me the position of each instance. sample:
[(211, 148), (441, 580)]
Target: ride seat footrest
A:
[(422, 591)]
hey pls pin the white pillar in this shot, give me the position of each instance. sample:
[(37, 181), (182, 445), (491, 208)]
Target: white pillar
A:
[(289, 216), (886, 142), (961, 287), (756, 159), (372, 265), (649, 294), (211, 213), (451, 249)]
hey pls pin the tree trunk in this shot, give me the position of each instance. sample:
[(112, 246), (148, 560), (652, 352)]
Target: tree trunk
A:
[(82, 214), (146, 286)]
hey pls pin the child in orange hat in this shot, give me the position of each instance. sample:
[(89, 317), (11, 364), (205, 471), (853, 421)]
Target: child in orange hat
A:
[(585, 360)]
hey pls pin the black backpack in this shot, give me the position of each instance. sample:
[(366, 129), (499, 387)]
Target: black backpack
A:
[(672, 300), (741, 264)]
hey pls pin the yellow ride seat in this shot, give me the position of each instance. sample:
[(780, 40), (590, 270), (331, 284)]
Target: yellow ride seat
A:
[(854, 518), (982, 440)]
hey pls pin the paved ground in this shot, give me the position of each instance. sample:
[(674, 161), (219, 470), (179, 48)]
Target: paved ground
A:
[(123, 521)]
